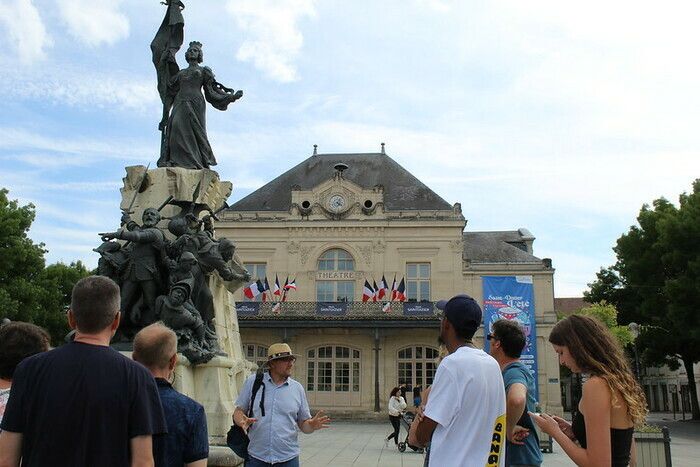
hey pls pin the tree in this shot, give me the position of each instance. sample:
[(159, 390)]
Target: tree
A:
[(656, 282), (29, 291)]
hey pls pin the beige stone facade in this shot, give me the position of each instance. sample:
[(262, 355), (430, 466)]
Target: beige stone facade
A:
[(332, 230)]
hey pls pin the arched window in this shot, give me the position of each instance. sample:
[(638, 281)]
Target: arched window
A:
[(255, 353), (337, 284), (417, 366), (333, 368)]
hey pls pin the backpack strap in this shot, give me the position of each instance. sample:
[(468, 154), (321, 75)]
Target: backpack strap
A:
[(256, 385)]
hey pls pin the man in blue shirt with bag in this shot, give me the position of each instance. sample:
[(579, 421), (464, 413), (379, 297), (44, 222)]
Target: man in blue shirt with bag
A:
[(507, 341), (280, 411)]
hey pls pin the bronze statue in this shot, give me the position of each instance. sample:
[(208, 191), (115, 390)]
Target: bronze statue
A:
[(142, 276), (184, 140)]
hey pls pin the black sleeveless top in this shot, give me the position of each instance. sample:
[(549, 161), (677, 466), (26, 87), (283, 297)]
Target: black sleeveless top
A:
[(620, 440)]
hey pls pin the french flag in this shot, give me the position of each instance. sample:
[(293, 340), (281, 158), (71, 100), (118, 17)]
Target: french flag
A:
[(367, 292), (292, 285), (401, 291), (383, 287), (277, 290), (376, 291), (393, 288), (253, 290)]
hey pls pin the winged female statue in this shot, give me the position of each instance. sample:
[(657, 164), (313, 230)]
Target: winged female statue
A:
[(184, 141)]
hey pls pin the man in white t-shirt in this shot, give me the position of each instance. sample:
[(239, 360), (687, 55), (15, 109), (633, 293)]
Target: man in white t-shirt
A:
[(465, 414)]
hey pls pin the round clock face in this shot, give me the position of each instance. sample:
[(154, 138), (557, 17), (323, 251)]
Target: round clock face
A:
[(336, 202)]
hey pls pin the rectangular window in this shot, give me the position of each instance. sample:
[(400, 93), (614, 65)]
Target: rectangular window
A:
[(406, 373), (342, 377), (356, 376), (345, 291), (257, 271), (335, 291), (325, 376), (324, 291), (418, 282), (310, 376)]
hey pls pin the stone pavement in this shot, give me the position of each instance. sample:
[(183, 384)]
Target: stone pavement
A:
[(362, 444)]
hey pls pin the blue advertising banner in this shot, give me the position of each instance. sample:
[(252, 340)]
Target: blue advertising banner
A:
[(418, 309), (248, 308), (331, 308), (512, 298)]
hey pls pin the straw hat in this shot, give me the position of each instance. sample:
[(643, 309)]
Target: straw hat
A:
[(279, 350)]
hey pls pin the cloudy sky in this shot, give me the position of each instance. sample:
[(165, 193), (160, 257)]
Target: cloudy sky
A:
[(561, 117)]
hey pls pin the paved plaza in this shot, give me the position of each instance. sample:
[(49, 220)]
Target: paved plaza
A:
[(349, 443)]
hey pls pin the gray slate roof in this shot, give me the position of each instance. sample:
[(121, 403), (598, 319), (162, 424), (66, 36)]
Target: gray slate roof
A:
[(402, 191), (495, 247)]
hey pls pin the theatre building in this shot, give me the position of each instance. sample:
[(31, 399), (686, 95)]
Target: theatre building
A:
[(336, 221)]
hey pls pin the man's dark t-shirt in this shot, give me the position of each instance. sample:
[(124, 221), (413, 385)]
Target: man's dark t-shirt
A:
[(80, 405), (187, 439)]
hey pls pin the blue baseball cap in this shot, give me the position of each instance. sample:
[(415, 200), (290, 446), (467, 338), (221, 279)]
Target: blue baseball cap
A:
[(462, 311)]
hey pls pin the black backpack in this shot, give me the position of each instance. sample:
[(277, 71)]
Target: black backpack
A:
[(236, 438)]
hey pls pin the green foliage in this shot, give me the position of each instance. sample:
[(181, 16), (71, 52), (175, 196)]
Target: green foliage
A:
[(29, 291), (607, 314), (656, 283)]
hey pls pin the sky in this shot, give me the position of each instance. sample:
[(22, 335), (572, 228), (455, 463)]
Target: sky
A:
[(560, 117)]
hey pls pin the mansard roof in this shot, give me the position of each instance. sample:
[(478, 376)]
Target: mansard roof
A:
[(497, 247), (402, 190)]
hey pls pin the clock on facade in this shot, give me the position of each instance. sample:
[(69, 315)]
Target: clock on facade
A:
[(336, 202)]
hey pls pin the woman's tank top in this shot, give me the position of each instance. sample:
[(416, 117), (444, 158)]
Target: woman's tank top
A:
[(620, 440)]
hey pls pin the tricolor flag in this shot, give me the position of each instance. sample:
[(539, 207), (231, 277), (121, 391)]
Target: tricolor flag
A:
[(276, 308), (393, 288), (383, 287), (277, 286), (376, 291), (284, 289), (387, 307), (401, 291), (253, 290), (266, 288), (292, 285), (367, 292)]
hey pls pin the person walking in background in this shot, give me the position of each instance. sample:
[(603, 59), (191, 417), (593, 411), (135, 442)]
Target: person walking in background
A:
[(416, 396), (507, 341), (187, 441), (612, 403), (17, 341), (83, 404), (396, 405), (280, 411), (465, 411)]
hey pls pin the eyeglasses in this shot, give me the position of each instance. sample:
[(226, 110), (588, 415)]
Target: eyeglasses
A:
[(286, 359), (490, 336)]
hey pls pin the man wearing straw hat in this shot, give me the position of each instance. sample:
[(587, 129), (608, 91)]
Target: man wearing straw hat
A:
[(280, 411)]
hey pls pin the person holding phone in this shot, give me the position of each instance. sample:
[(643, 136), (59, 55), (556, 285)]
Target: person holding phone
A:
[(612, 403)]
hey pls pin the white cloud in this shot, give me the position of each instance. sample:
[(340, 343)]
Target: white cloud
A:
[(95, 22), (53, 152), (74, 87), (273, 36), (25, 30)]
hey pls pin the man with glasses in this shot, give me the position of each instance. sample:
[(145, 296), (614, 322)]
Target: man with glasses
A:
[(187, 441), (466, 409), (507, 341), (280, 411)]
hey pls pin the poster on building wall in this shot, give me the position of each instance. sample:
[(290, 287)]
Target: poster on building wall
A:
[(418, 309), (332, 308), (512, 298)]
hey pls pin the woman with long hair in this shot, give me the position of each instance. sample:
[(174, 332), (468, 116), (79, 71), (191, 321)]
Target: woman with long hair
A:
[(397, 404), (612, 403)]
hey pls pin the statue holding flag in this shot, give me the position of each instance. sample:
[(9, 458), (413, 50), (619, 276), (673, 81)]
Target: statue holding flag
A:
[(184, 141)]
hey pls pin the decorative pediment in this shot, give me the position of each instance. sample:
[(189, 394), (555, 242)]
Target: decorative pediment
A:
[(338, 198)]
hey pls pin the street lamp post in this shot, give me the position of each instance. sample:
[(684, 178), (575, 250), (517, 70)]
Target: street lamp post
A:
[(634, 330)]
